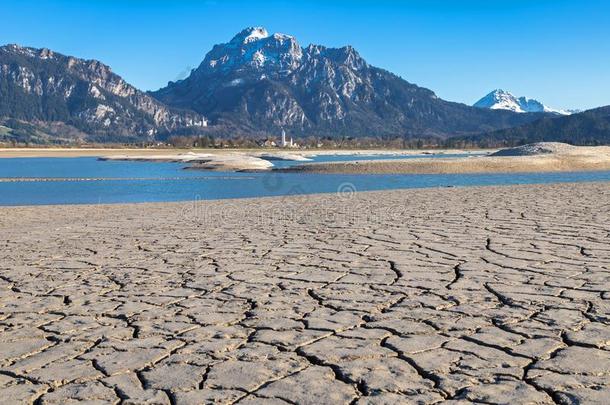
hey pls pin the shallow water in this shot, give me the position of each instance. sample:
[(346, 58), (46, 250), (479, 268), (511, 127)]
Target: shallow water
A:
[(156, 182)]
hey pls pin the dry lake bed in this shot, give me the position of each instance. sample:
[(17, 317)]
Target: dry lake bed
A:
[(487, 294)]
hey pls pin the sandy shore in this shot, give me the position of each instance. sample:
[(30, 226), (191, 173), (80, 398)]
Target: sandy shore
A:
[(98, 152), (579, 159), (494, 295)]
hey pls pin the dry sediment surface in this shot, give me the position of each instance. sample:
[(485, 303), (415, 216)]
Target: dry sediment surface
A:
[(496, 295), (569, 159)]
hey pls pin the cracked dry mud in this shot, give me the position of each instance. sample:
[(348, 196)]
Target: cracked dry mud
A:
[(495, 295)]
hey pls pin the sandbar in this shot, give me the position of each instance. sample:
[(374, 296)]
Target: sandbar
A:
[(576, 159)]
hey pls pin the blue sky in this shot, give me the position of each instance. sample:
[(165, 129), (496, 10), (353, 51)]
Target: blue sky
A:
[(554, 50)]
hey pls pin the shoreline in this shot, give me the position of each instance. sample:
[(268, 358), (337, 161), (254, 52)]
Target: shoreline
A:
[(575, 159), (579, 159), (101, 152)]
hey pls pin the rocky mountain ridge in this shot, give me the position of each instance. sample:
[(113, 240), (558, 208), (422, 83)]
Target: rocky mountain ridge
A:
[(43, 87), (253, 86), (260, 83)]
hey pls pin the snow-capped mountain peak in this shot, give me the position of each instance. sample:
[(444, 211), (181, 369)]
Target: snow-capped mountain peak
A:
[(503, 100), (250, 34), (254, 49), (500, 100)]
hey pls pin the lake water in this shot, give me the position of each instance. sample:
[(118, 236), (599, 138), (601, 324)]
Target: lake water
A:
[(125, 182)]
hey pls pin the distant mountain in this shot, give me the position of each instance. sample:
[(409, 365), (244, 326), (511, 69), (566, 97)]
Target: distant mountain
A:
[(504, 100), (46, 96), (258, 83), (591, 127)]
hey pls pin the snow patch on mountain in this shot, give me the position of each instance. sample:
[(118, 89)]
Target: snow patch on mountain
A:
[(250, 34)]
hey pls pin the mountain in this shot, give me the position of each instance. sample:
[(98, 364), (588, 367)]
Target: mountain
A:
[(591, 127), (504, 100), (46, 96), (259, 83)]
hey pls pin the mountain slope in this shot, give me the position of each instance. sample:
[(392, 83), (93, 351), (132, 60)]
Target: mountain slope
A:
[(504, 100), (44, 90), (591, 127), (259, 83)]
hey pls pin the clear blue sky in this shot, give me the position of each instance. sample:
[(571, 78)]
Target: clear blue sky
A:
[(555, 50)]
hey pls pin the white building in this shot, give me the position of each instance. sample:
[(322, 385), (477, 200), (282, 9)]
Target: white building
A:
[(284, 143)]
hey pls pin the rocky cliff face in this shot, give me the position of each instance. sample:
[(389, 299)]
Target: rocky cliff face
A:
[(41, 86), (260, 83)]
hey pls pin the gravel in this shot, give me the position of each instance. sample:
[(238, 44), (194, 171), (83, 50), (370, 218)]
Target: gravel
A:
[(534, 149)]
